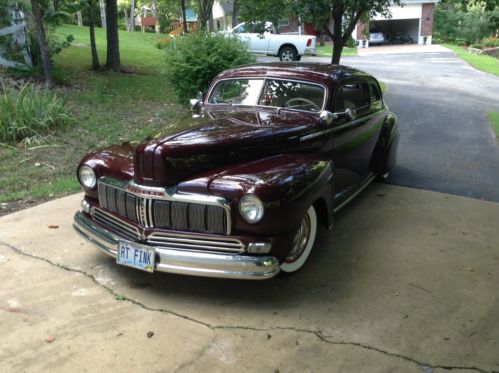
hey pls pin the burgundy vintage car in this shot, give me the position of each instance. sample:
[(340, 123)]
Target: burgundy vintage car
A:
[(238, 190)]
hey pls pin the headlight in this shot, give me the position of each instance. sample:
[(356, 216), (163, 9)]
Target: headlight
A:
[(251, 208), (87, 177)]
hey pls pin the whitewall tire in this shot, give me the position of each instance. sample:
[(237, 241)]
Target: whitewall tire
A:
[(303, 243)]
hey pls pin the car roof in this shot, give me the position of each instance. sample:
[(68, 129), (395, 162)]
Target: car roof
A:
[(314, 72)]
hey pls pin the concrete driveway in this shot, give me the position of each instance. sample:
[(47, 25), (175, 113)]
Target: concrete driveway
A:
[(406, 282)]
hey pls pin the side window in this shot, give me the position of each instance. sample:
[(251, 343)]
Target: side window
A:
[(375, 93), (351, 96)]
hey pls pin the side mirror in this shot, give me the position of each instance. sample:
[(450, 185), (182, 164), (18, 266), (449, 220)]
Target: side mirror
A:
[(326, 118)]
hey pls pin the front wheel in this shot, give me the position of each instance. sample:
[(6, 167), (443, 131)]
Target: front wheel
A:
[(302, 243), (287, 54)]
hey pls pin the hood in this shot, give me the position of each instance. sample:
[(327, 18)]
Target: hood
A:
[(184, 149)]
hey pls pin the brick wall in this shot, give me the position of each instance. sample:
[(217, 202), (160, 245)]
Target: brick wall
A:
[(427, 19)]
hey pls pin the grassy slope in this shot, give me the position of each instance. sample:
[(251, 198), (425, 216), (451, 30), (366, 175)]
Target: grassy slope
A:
[(480, 62), (106, 108), (494, 122)]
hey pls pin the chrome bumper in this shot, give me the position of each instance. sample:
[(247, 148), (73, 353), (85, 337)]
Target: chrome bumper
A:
[(185, 262)]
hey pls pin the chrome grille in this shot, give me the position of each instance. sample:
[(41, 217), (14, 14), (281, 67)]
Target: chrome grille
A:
[(151, 213), (116, 224), (193, 242)]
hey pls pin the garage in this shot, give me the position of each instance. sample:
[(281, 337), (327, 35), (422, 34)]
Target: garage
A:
[(410, 23), (398, 31)]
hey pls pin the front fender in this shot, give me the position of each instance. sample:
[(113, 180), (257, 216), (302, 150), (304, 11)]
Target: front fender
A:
[(287, 184)]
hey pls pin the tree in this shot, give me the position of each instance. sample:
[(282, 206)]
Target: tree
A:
[(343, 15), (91, 24), (42, 43), (205, 8), (113, 45), (264, 10)]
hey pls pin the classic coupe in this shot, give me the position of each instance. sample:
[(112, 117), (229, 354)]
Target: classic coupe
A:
[(238, 189)]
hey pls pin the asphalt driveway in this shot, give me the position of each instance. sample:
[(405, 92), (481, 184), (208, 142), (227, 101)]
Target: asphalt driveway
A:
[(446, 143)]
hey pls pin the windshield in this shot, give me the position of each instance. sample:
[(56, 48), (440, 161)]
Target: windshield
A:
[(269, 92)]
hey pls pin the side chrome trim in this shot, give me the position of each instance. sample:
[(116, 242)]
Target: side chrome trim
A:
[(185, 262), (338, 128), (354, 194), (156, 193)]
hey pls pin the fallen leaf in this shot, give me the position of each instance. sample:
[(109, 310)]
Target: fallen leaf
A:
[(50, 339), (150, 334), (470, 269), (38, 164), (381, 194), (268, 336), (395, 292), (53, 226)]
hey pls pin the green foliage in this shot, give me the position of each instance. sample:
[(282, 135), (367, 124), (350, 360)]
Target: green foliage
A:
[(195, 59), (163, 43), (264, 10), (477, 46), (470, 21), (493, 118), (29, 112), (490, 42)]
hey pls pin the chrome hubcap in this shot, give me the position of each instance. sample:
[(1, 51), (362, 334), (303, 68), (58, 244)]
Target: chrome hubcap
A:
[(287, 55), (300, 241)]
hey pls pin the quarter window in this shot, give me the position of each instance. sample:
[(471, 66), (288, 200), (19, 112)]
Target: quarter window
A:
[(351, 96)]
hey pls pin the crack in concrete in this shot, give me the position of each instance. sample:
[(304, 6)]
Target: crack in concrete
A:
[(317, 333)]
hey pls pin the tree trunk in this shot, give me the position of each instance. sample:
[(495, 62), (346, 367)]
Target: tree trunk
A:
[(91, 25), (102, 14), (78, 17), (42, 41), (132, 16), (184, 20), (113, 46), (235, 13), (155, 14), (337, 36)]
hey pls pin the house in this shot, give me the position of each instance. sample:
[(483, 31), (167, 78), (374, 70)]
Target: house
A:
[(414, 19)]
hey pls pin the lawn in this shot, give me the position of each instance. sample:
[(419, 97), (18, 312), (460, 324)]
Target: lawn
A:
[(106, 108), (493, 118), (327, 51), (480, 62)]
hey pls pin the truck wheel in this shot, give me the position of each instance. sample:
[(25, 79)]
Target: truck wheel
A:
[(302, 244), (287, 54)]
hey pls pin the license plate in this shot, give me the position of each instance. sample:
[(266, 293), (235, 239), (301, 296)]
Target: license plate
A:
[(135, 255)]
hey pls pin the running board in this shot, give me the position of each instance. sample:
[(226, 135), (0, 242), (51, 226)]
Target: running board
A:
[(354, 194)]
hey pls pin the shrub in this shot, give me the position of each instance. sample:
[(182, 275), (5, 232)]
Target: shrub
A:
[(490, 42), (195, 59), (29, 112), (350, 43), (461, 43), (476, 46), (163, 42)]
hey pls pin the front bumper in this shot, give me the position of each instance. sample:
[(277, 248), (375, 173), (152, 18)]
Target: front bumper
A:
[(192, 263)]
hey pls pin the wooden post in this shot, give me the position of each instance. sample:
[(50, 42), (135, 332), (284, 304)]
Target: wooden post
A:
[(78, 17)]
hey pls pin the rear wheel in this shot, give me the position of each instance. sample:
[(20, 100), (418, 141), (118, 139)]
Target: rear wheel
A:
[(302, 243), (287, 54)]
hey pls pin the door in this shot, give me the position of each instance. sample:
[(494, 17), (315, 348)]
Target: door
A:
[(355, 134)]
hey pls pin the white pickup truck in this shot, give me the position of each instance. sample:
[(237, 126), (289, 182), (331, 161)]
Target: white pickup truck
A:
[(261, 39)]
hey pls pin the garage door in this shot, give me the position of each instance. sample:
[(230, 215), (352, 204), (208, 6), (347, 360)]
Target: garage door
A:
[(397, 31)]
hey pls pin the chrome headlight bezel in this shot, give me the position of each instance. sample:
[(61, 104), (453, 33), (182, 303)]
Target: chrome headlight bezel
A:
[(87, 177), (251, 208)]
